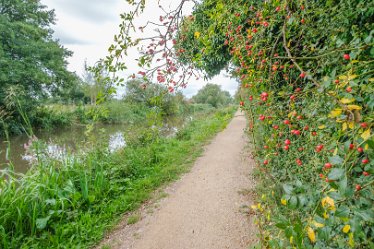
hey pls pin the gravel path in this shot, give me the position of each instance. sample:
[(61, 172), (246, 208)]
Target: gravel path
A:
[(206, 209)]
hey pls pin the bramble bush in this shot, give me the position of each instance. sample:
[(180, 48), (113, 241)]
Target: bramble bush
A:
[(306, 73)]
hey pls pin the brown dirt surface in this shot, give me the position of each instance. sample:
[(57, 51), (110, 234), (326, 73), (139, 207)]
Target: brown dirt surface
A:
[(208, 208)]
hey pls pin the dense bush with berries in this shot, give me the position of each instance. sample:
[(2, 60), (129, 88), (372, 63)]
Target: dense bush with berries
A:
[(306, 73)]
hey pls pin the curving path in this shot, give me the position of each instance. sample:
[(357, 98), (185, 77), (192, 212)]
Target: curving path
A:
[(206, 209)]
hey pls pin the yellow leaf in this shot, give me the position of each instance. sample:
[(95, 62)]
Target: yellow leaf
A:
[(328, 202), (351, 124), (352, 77), (346, 101), (366, 134), (284, 202), (319, 225), (311, 234), (293, 113), (335, 113), (344, 126), (366, 147), (325, 215), (197, 35), (354, 107), (335, 151), (322, 127), (291, 240), (346, 228), (351, 242), (354, 61)]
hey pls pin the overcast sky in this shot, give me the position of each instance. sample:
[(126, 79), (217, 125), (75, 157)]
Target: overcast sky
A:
[(87, 28)]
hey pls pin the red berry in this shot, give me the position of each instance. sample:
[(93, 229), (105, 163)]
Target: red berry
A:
[(277, 8), (358, 187), (349, 89), (346, 57), (319, 147), (266, 147), (250, 98), (286, 147), (365, 161), (292, 97), (336, 81), (298, 89), (365, 173), (266, 162), (328, 165), (287, 122), (302, 21), (364, 125), (306, 128), (360, 150), (300, 149), (302, 75), (287, 142), (296, 132), (275, 127), (241, 103), (321, 175), (314, 133), (351, 146), (299, 117)]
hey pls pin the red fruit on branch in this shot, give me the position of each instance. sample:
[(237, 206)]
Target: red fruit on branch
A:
[(358, 187), (319, 147), (286, 147), (365, 161), (287, 142), (287, 122), (266, 162), (275, 127), (292, 97), (364, 125), (302, 75), (360, 150), (314, 133), (336, 81), (328, 165), (262, 117), (346, 57), (351, 146), (348, 89)]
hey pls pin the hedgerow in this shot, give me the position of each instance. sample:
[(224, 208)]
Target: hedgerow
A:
[(306, 73)]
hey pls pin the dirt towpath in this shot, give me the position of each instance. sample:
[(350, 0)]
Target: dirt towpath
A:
[(206, 209)]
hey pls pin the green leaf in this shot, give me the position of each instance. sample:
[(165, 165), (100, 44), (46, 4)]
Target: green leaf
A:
[(342, 211), (336, 174), (41, 223), (287, 188), (336, 160)]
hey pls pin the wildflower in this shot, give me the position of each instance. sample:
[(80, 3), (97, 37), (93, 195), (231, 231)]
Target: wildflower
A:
[(284, 201), (346, 228), (328, 202), (311, 234)]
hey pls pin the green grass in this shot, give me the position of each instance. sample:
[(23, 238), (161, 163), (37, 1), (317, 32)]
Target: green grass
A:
[(74, 203)]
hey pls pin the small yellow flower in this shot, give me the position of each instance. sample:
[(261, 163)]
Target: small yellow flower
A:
[(346, 228), (291, 240), (197, 34), (311, 235), (284, 201)]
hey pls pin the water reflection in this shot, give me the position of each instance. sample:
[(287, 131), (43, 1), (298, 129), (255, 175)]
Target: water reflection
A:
[(67, 141)]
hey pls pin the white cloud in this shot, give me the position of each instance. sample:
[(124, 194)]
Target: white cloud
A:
[(87, 28)]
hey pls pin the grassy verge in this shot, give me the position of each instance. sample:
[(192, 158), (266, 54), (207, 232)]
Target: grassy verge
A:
[(72, 204)]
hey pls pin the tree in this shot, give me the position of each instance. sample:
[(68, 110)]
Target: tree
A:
[(213, 95), (30, 59)]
